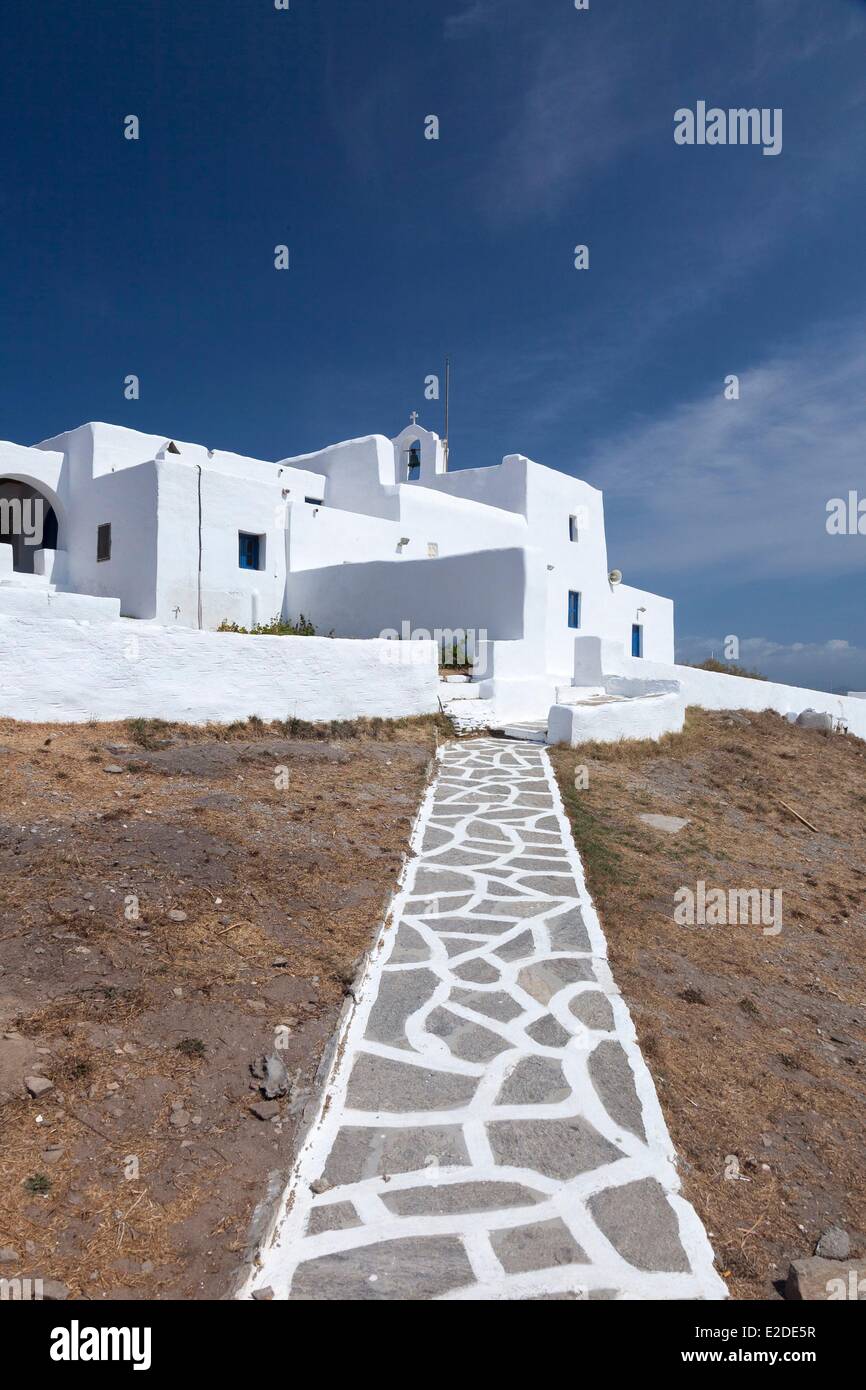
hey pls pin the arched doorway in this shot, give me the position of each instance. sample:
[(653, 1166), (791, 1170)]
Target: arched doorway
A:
[(28, 522)]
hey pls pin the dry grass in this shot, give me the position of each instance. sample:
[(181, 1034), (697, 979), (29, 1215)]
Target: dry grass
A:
[(282, 880), (757, 1043)]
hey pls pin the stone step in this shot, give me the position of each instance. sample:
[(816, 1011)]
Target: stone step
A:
[(17, 580), (469, 716), (574, 694), (531, 730), (459, 690)]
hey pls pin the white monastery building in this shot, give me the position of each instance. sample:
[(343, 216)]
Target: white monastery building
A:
[(367, 537), (121, 553)]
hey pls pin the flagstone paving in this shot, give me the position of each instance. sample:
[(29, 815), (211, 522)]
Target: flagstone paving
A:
[(490, 1130)]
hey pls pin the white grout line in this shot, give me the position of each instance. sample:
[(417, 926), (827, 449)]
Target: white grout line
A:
[(656, 1158)]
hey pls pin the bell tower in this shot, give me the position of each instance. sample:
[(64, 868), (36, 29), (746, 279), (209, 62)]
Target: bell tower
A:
[(419, 454)]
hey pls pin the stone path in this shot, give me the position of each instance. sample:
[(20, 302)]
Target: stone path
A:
[(490, 1130)]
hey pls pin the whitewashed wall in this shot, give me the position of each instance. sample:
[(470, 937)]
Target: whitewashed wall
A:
[(63, 670), (105, 473), (318, 537), (597, 662), (643, 717), (359, 474), (371, 517), (547, 498), (483, 591)]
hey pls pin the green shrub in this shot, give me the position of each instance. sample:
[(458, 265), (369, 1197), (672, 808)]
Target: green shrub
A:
[(38, 1184), (277, 627)]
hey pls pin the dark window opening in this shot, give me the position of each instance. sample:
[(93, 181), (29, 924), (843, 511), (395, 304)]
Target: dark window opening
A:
[(250, 551), (573, 532), (315, 501), (49, 530), (103, 541)]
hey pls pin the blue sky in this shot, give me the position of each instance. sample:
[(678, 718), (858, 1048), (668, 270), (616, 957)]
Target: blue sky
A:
[(306, 127)]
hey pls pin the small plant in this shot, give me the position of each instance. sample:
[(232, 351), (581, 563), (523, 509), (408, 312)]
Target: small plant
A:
[(456, 651), (38, 1184), (147, 732), (277, 627), (191, 1047), (344, 728), (77, 1068), (293, 727)]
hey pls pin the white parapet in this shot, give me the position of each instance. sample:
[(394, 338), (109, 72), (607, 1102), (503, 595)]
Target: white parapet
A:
[(574, 694), (52, 565), (610, 720), (597, 660), (30, 597), (75, 670)]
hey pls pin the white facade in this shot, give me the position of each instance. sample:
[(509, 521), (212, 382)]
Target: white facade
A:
[(365, 537), (108, 604)]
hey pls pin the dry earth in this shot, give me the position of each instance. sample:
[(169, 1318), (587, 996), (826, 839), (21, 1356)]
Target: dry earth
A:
[(146, 1027), (757, 1042), (137, 1172)]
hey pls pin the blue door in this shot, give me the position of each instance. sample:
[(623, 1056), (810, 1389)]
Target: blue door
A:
[(636, 639)]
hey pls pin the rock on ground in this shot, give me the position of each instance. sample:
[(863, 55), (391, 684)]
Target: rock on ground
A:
[(817, 1280)]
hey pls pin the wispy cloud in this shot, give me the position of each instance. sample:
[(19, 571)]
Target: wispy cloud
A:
[(569, 93), (743, 484), (784, 38), (474, 15), (572, 109), (832, 665)]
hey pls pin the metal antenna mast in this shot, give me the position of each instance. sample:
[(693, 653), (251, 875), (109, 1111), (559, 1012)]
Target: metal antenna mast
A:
[(447, 403)]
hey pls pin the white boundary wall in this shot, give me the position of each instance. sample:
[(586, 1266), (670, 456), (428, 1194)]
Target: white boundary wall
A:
[(646, 716), (64, 670), (599, 662)]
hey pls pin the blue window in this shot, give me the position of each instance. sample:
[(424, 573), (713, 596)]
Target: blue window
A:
[(636, 639), (249, 551), (573, 608)]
